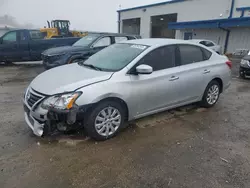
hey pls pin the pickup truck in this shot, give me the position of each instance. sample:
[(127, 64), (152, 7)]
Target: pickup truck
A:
[(27, 45)]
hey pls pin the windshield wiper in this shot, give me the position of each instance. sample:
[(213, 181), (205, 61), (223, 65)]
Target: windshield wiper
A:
[(92, 66)]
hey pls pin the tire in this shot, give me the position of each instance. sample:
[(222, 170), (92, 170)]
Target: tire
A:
[(96, 116), (242, 75), (213, 87)]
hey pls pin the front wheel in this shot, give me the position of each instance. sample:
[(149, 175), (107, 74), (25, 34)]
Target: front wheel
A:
[(211, 94), (105, 120)]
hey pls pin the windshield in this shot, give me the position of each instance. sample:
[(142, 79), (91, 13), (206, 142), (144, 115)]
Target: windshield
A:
[(115, 57), (86, 40)]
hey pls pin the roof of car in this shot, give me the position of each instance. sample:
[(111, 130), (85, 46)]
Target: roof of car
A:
[(109, 33), (157, 42), (199, 40)]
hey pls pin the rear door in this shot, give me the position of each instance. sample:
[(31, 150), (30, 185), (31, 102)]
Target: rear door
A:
[(155, 91), (191, 73), (9, 47)]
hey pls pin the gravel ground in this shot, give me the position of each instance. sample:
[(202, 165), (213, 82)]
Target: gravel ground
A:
[(188, 147)]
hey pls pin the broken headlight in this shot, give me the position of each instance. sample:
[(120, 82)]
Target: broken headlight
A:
[(61, 102)]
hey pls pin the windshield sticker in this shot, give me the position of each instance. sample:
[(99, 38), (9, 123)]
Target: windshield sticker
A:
[(138, 46)]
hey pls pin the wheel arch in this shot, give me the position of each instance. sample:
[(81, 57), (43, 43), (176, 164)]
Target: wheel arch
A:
[(219, 80), (118, 100)]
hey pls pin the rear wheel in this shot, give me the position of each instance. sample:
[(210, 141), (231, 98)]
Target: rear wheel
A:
[(211, 94), (242, 75), (105, 120)]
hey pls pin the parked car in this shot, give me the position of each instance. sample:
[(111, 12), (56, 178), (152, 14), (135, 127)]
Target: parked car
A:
[(123, 82), (82, 49), (27, 45), (245, 66), (209, 44)]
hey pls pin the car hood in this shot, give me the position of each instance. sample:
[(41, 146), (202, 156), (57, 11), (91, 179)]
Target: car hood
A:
[(67, 78), (64, 49)]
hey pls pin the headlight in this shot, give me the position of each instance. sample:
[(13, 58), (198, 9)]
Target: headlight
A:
[(62, 102)]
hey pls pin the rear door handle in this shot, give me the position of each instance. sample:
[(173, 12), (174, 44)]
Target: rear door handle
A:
[(206, 71), (173, 78)]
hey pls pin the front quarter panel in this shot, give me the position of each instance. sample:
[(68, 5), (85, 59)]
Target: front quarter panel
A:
[(118, 87)]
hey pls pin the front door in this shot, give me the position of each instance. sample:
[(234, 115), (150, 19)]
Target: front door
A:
[(9, 47), (155, 91)]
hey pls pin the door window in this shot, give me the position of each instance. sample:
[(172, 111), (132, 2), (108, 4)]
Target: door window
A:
[(10, 37), (119, 39), (36, 35), (160, 58), (190, 54), (105, 41)]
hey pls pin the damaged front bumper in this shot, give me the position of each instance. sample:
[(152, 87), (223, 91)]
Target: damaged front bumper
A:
[(44, 122), (36, 121)]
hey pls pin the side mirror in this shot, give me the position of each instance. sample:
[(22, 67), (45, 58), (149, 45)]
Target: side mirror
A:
[(144, 69), (1, 40)]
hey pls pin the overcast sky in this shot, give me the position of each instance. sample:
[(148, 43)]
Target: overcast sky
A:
[(95, 15)]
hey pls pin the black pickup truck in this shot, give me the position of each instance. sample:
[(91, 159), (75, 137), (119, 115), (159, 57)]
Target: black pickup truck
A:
[(27, 45)]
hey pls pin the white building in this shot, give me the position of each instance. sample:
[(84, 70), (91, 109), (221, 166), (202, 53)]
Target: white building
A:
[(226, 22)]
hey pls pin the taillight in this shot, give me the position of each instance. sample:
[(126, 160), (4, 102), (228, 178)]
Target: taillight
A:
[(229, 64)]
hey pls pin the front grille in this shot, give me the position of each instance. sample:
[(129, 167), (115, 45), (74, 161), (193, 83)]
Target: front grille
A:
[(32, 97)]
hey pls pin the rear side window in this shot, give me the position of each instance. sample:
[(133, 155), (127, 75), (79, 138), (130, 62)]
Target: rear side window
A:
[(207, 54), (119, 39), (160, 58), (35, 35), (190, 54)]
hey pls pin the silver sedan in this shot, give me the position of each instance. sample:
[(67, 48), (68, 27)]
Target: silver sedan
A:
[(123, 82)]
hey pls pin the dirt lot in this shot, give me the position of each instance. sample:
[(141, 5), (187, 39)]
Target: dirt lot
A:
[(188, 147)]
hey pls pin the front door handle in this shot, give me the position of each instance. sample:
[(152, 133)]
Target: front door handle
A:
[(206, 71), (173, 78)]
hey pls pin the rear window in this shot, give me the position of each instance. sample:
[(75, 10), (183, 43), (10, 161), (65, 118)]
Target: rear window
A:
[(36, 35)]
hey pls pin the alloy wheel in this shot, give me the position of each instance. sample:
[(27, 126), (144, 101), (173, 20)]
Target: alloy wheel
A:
[(213, 94), (108, 121)]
